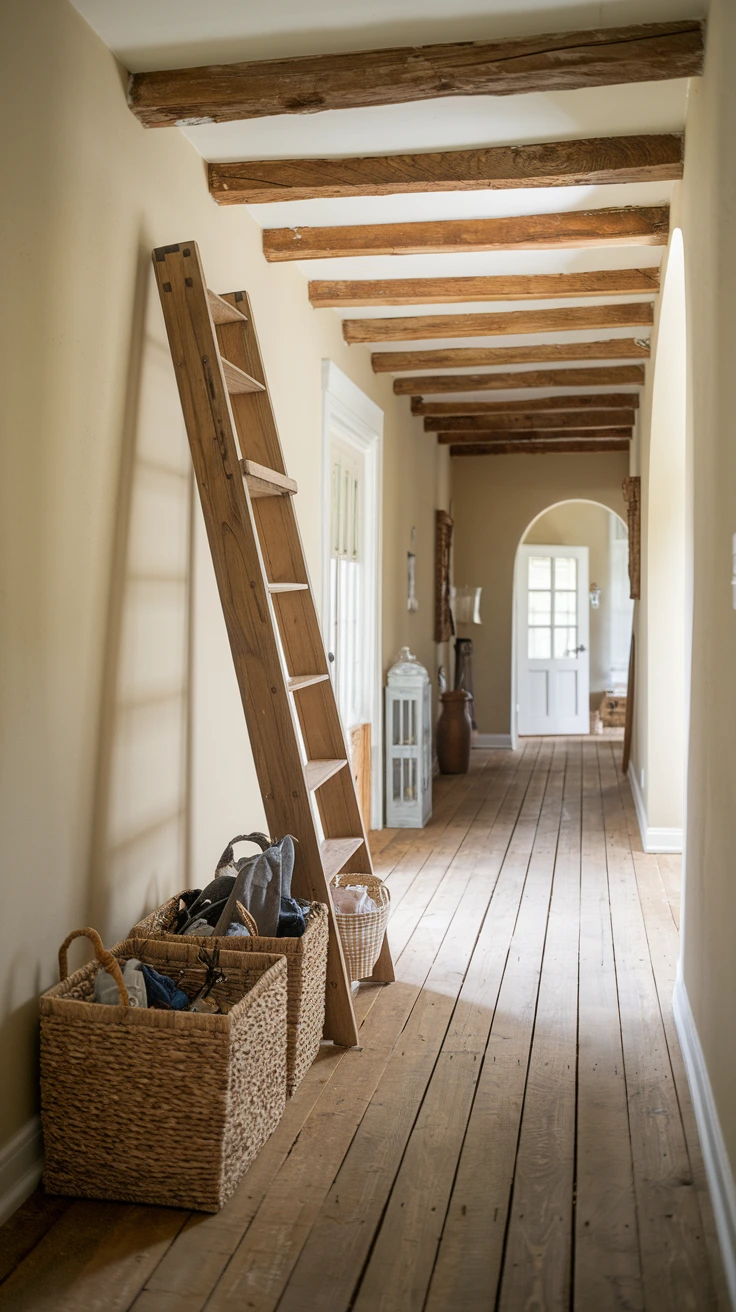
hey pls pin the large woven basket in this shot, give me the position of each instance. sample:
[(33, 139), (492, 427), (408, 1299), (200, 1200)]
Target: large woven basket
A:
[(362, 935), (162, 1107), (306, 966)]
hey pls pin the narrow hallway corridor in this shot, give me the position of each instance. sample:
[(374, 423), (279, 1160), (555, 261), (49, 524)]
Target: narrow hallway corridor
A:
[(516, 1130)]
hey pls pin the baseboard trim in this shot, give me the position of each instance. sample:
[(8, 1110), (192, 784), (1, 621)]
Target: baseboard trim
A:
[(21, 1164), (497, 740), (715, 1157), (652, 839)]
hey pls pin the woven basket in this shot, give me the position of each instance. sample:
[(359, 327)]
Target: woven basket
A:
[(161, 1107), (362, 935), (613, 711), (306, 966)]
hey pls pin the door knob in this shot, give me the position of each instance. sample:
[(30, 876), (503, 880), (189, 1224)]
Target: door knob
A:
[(576, 650)]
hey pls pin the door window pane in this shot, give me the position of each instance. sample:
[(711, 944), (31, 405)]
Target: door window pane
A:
[(540, 607), (540, 572), (540, 644), (566, 572), (566, 641), (565, 607)]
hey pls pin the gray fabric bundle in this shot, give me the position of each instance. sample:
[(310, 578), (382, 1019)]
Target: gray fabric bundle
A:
[(262, 880)]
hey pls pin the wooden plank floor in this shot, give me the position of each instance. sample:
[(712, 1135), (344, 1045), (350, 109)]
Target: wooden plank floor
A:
[(515, 1131)]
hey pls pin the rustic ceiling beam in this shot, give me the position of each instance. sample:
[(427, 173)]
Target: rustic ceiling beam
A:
[(610, 433), (434, 384), (574, 401), (574, 229), (536, 448), (573, 420), (514, 287), (593, 162), (560, 61), (573, 318), (615, 348)]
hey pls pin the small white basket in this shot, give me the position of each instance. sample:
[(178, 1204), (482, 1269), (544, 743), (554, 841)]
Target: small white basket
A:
[(362, 935)]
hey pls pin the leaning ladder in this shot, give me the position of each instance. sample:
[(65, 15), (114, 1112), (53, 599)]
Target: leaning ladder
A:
[(296, 736)]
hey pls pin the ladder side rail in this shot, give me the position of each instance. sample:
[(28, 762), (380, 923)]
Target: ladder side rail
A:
[(240, 575)]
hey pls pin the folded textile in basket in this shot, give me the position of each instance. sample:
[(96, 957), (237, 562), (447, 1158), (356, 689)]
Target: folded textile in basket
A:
[(352, 899), (146, 988)]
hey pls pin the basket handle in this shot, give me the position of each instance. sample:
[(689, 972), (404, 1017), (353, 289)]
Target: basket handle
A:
[(105, 958)]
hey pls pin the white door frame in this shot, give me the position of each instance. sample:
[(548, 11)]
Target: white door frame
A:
[(524, 552), (347, 413)]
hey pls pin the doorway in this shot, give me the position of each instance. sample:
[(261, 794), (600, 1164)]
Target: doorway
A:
[(553, 650), (352, 429), (603, 610)]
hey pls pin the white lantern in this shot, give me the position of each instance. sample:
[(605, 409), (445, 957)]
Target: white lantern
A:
[(408, 744)]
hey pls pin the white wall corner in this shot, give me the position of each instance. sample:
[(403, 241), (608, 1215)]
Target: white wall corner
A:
[(652, 839), (717, 1165), (493, 740), (21, 1164)]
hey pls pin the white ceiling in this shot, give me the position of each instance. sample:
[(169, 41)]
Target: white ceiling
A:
[(149, 34)]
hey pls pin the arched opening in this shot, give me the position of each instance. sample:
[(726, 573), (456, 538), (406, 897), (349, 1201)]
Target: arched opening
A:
[(659, 753), (586, 543)]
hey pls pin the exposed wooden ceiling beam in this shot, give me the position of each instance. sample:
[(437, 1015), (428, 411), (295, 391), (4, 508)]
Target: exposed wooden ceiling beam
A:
[(573, 229), (610, 433), (517, 287), (592, 162), (574, 401), (558, 61), (573, 318), (573, 420), (434, 384), (615, 348), (536, 448)]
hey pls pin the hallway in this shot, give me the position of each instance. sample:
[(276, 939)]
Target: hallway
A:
[(517, 1120)]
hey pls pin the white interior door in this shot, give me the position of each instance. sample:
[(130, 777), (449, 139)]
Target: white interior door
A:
[(553, 639), (348, 639)]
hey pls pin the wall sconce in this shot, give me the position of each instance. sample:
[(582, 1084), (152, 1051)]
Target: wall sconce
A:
[(595, 596), (466, 605)]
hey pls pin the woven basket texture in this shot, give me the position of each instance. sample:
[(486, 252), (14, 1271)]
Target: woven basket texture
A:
[(162, 1107), (362, 935), (306, 965), (613, 711)]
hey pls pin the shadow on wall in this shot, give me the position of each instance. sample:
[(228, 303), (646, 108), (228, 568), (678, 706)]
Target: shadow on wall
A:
[(139, 848)]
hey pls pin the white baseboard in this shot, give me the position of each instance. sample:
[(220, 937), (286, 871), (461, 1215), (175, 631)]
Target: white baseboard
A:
[(21, 1164), (652, 839), (715, 1157), (495, 740)]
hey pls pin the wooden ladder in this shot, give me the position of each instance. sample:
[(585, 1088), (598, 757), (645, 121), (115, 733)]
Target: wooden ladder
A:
[(297, 739)]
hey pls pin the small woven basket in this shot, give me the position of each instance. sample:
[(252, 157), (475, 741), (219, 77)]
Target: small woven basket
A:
[(306, 967), (362, 935), (163, 1107)]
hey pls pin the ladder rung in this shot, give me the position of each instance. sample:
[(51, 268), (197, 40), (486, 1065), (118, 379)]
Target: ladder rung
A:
[(306, 681), (263, 482), (222, 311), (336, 851), (237, 380), (288, 587), (317, 773)]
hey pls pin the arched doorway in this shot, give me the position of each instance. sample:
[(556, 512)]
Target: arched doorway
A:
[(572, 617)]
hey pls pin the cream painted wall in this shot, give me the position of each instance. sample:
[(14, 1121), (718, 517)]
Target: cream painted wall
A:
[(707, 212), (494, 500), (112, 642), (580, 524)]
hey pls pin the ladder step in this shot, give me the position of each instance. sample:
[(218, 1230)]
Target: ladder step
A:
[(263, 482), (335, 852), (222, 311), (317, 773), (237, 380), (288, 587), (306, 681)]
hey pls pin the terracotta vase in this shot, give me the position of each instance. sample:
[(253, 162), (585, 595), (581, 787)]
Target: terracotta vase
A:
[(454, 733)]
